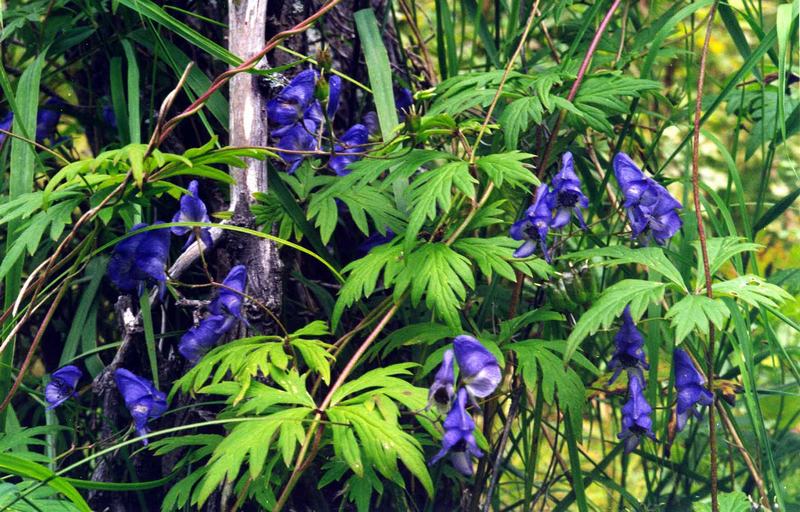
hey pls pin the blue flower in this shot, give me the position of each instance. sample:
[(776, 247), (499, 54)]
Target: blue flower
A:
[(5, 124), (334, 93), (458, 439), (629, 354), (140, 260), (47, 119), (142, 399), (192, 209), (690, 385), (480, 372), (636, 420), (567, 197), (62, 385), (535, 224), (297, 137), (652, 211), (551, 209), (200, 339), (293, 101), (441, 391), (229, 301), (107, 113), (376, 239), (403, 100), (351, 142)]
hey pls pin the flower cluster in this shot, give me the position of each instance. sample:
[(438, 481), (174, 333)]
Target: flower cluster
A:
[(629, 356), (651, 210), (143, 400), (480, 375), (140, 260), (297, 117), (636, 413), (552, 208), (225, 310), (636, 420)]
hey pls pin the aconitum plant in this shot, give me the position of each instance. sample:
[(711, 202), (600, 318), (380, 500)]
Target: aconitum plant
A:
[(527, 270)]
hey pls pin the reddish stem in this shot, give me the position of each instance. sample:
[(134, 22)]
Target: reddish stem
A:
[(577, 84)]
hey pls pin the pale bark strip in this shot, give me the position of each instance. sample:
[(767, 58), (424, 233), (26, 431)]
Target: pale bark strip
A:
[(248, 127)]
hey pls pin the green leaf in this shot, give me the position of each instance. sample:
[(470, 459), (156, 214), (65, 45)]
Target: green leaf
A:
[(379, 70), (720, 250), (695, 312), (442, 275), (776, 210), (151, 10), (316, 355), (518, 115), (491, 255), (249, 440), (728, 502), (609, 306), (14, 465), (383, 442), (651, 257), (752, 290), (434, 188), (508, 167), (364, 274)]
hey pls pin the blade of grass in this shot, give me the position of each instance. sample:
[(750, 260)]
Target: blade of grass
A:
[(118, 100), (379, 70), (149, 335), (575, 465), (134, 124), (150, 10), (95, 270), (20, 181), (755, 57), (743, 343)]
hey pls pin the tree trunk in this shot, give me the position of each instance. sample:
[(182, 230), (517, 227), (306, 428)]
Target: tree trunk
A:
[(247, 21)]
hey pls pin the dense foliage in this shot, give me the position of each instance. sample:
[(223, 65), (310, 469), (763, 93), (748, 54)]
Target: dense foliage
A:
[(532, 256)]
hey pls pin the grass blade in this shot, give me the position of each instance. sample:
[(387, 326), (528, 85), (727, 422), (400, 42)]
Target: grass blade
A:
[(380, 72)]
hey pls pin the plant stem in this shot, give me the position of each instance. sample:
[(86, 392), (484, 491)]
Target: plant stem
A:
[(576, 85), (698, 110), (301, 463)]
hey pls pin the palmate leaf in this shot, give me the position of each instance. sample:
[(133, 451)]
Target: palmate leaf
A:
[(695, 312), (602, 96), (251, 441), (383, 442), (434, 188), (377, 380), (518, 115), (542, 369), (379, 206), (720, 250), (386, 259), (652, 257), (508, 168), (490, 256), (752, 290), (610, 305), (442, 275)]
